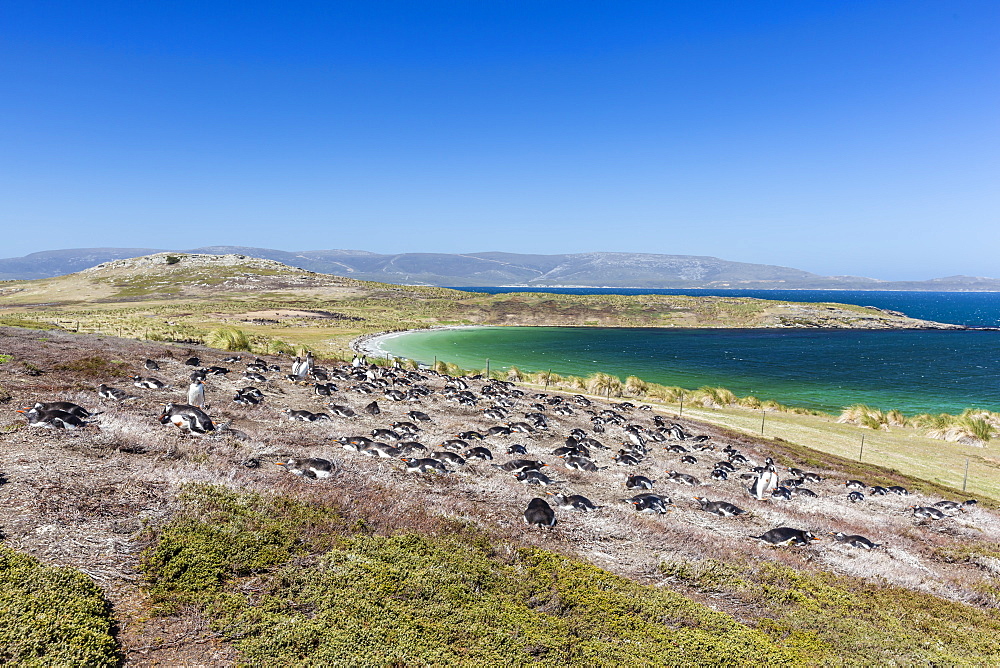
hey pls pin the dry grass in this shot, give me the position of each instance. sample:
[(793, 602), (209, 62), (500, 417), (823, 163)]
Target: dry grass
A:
[(79, 498)]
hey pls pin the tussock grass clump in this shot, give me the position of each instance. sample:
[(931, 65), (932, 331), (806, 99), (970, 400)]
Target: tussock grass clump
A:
[(636, 387), (228, 338), (711, 397), (320, 592), (276, 347), (52, 616), (668, 393), (604, 384), (865, 416)]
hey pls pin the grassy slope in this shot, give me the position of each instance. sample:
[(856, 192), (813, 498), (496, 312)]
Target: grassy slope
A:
[(904, 449), (289, 581), (140, 302)]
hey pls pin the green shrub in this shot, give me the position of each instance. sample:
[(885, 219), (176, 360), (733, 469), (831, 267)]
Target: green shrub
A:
[(843, 620), (288, 582), (52, 616)]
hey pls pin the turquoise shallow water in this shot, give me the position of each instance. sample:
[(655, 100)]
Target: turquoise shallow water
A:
[(913, 371)]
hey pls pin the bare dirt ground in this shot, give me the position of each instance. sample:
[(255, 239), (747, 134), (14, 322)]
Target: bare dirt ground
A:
[(82, 498)]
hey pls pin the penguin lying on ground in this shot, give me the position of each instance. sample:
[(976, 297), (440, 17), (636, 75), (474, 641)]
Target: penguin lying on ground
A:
[(859, 542), (573, 502), (187, 418), (787, 536), (539, 513), (720, 508), (308, 468)]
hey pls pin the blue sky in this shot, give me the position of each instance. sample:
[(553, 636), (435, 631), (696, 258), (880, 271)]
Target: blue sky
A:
[(837, 137)]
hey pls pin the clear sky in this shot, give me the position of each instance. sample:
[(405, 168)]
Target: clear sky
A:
[(858, 137)]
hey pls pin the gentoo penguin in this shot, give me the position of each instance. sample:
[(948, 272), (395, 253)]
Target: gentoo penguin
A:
[(539, 513), (805, 492), (304, 416), (454, 444), (682, 478), (720, 474), (424, 465), (470, 436), (579, 463), (411, 449), (113, 393), (765, 483), (341, 411), (900, 491), (308, 468), (625, 459), (950, 506), (196, 394), (383, 450), (518, 465), (51, 419), (573, 502), (248, 396), (787, 536), (720, 508), (533, 478), (372, 408), (517, 449), (859, 542), (419, 416), (148, 383), (478, 453), (151, 365), (781, 493), (689, 459), (879, 491), (651, 504), (855, 484), (928, 512), (855, 497), (638, 482), (448, 457), (192, 361), (186, 417), (65, 406)]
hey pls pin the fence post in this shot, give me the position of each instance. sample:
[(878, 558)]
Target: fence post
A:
[(862, 453), (966, 479)]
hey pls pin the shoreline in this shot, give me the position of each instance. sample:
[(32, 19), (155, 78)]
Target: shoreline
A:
[(368, 344)]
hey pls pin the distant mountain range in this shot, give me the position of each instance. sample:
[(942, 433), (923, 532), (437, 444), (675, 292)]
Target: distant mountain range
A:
[(615, 270)]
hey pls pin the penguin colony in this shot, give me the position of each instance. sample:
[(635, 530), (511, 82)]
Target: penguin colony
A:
[(628, 453)]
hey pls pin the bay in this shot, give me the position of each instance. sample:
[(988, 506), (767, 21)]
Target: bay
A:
[(915, 371)]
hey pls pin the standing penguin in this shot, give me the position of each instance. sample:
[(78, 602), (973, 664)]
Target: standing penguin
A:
[(196, 393), (765, 483)]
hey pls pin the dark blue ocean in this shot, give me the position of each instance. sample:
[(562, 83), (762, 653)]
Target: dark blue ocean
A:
[(913, 371)]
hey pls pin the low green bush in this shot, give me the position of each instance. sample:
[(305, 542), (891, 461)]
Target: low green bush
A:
[(52, 616), (842, 620), (288, 582)]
